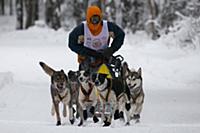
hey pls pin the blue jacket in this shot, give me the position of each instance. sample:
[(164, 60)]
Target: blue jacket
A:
[(76, 40)]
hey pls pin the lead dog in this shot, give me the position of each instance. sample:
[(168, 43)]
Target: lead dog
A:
[(87, 96), (114, 92), (60, 92), (134, 82)]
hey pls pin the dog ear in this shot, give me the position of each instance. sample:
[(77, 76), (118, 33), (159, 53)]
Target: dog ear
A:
[(125, 69), (140, 71), (48, 70), (125, 65), (87, 73), (70, 72)]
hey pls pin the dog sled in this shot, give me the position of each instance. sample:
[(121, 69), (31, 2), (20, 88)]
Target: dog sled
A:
[(113, 68)]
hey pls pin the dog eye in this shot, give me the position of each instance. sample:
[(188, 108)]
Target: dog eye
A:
[(86, 74), (102, 78), (57, 78)]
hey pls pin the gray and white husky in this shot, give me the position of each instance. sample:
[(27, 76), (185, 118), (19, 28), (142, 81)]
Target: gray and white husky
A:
[(60, 92), (133, 80)]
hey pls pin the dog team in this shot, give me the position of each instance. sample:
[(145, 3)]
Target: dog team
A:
[(96, 95)]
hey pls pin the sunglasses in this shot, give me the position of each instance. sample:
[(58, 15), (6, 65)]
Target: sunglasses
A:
[(95, 19)]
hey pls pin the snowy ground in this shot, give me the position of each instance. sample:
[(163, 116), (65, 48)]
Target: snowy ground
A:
[(171, 83)]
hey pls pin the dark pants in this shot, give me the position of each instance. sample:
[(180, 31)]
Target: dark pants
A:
[(93, 69)]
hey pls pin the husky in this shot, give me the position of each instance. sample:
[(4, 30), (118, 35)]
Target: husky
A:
[(87, 96), (60, 92), (74, 83), (134, 82), (114, 92)]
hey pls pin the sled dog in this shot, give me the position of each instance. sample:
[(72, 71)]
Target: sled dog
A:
[(134, 82), (87, 96), (60, 92), (111, 91), (73, 79)]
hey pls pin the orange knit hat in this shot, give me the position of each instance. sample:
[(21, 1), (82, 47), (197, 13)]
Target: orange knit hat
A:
[(91, 11)]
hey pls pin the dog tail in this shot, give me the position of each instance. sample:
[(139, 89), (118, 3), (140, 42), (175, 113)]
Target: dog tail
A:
[(48, 70)]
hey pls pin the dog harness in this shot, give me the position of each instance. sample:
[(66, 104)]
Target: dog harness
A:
[(55, 90), (87, 94), (96, 42), (108, 93)]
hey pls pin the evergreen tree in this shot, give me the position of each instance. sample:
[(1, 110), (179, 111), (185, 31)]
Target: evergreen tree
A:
[(30, 12), (52, 13), (11, 7), (19, 14), (2, 3)]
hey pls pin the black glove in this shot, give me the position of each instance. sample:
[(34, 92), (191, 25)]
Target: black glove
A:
[(128, 106), (107, 52)]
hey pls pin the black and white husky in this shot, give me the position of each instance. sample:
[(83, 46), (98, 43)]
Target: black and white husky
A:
[(87, 96), (133, 80), (114, 92)]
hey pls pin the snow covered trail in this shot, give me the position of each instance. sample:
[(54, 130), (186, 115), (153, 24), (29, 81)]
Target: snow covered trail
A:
[(171, 84), (26, 107)]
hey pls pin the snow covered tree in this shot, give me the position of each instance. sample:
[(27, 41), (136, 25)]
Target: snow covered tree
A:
[(52, 13), (79, 10), (19, 14), (170, 10), (132, 15), (31, 12), (110, 10), (118, 12), (152, 22), (2, 3), (11, 7)]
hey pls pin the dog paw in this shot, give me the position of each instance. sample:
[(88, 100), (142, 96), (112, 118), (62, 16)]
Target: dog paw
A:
[(128, 106), (92, 110), (136, 116), (106, 124), (116, 115), (95, 119), (121, 115), (81, 123), (85, 114), (58, 123), (72, 121), (127, 124)]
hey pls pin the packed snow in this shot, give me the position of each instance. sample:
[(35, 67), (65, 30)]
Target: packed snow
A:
[(171, 82)]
